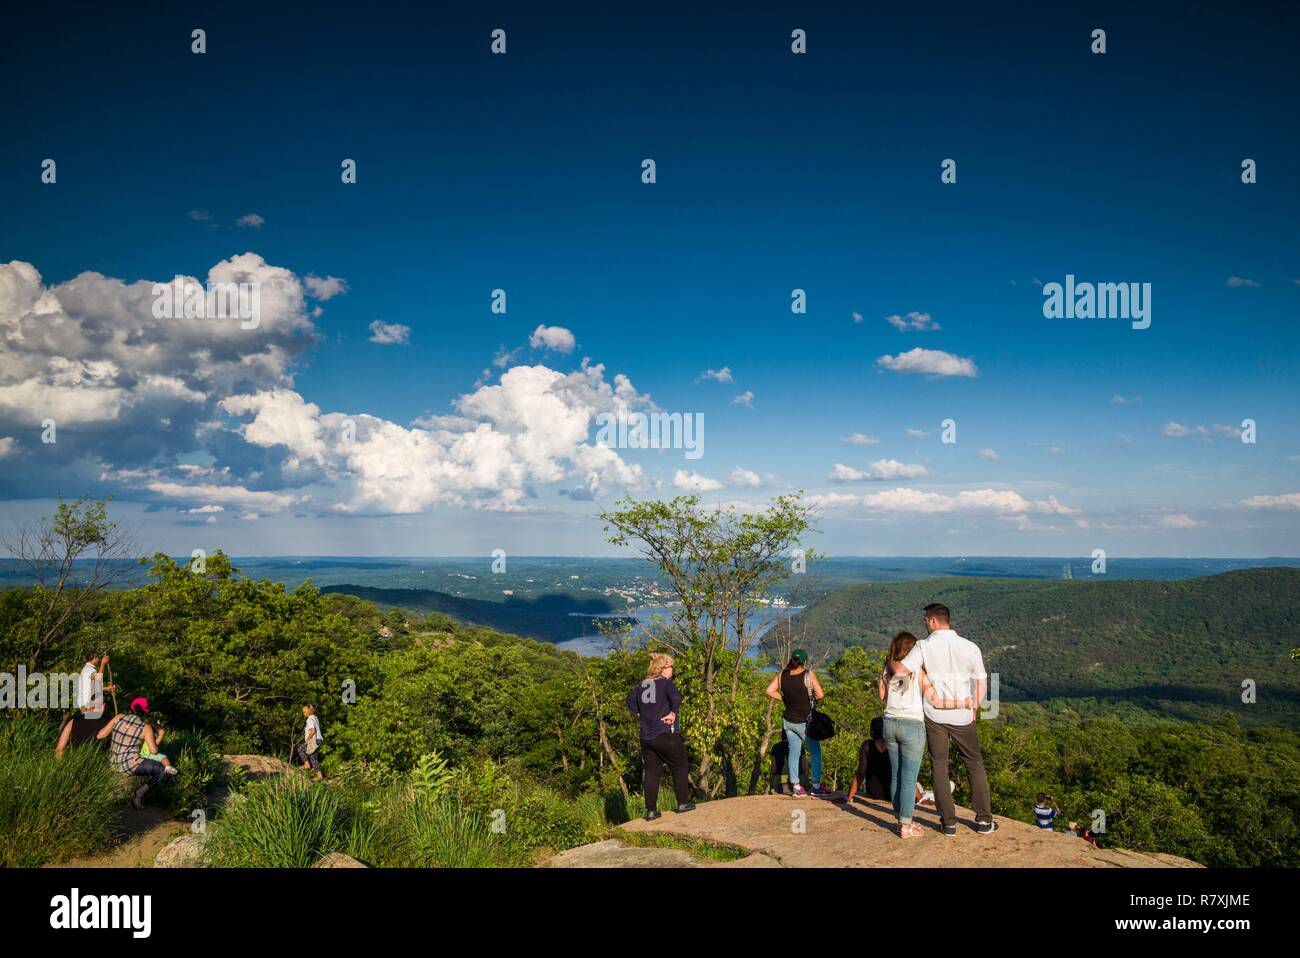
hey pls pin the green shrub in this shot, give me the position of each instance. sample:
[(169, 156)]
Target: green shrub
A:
[(236, 778), (50, 809), (539, 818), (383, 734), (199, 767), (286, 822), (431, 775), (483, 785)]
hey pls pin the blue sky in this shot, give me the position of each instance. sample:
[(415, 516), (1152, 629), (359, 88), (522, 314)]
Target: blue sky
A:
[(775, 171)]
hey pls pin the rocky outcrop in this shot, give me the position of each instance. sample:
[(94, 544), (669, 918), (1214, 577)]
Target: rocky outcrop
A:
[(812, 832), (339, 860), (183, 852), (259, 766), (614, 854)]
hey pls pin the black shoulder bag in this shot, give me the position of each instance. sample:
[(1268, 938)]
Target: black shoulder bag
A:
[(820, 725)]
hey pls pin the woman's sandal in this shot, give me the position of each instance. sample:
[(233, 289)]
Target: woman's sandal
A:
[(910, 830)]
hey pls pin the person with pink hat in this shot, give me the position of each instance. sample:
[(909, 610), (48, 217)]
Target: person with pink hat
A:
[(126, 734)]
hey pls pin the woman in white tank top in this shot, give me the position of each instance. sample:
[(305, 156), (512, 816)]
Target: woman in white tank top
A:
[(904, 730)]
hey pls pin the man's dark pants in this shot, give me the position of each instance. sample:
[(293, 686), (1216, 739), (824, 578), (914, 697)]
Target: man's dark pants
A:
[(967, 740)]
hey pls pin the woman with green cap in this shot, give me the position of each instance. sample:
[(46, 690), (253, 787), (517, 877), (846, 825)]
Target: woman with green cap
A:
[(797, 688)]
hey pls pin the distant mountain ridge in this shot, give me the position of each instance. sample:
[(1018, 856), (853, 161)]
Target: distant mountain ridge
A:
[(553, 617), (1182, 649)]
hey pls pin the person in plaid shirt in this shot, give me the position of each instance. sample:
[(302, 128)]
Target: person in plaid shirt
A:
[(124, 734)]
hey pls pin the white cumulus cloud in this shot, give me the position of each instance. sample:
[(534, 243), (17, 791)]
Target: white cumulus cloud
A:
[(996, 502), (881, 469), (324, 287), (389, 334), (913, 322), (1289, 500), (722, 375), (555, 338), (694, 482), (930, 362)]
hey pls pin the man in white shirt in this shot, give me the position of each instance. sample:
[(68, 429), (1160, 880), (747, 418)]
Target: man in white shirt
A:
[(90, 686), (956, 669)]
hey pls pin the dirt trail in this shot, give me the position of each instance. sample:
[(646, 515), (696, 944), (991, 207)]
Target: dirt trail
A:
[(138, 837)]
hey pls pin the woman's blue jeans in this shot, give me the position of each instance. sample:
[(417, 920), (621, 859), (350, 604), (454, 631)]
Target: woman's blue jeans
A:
[(905, 743), (796, 737)]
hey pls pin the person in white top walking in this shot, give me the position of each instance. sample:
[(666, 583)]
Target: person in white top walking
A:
[(956, 668), (309, 750), (904, 728)]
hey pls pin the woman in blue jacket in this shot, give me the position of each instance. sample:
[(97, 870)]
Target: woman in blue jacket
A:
[(655, 701)]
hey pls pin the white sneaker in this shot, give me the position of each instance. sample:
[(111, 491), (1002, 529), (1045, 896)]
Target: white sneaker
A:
[(171, 770)]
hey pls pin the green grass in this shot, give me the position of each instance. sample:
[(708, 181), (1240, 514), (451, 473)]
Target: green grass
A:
[(50, 810), (288, 822), (696, 848), (438, 832)]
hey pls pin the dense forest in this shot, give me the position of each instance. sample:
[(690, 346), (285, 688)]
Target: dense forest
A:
[(433, 726), (1124, 648)]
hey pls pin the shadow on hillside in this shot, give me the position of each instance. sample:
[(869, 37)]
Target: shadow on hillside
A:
[(560, 603)]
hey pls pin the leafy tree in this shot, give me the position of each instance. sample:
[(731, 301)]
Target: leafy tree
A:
[(240, 657), (722, 566), (55, 552)]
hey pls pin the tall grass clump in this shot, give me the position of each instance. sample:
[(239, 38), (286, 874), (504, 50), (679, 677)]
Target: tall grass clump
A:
[(50, 809), (479, 816), (199, 767), (425, 822), (286, 822), (437, 832)]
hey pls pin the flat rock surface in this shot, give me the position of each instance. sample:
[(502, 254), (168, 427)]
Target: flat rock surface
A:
[(259, 766), (339, 860), (613, 854), (861, 835), (183, 852)]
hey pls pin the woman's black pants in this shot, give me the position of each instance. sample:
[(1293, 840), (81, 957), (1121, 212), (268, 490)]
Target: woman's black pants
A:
[(670, 750)]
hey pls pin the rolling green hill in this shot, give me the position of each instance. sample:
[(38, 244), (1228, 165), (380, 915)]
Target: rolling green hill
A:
[(1179, 649)]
